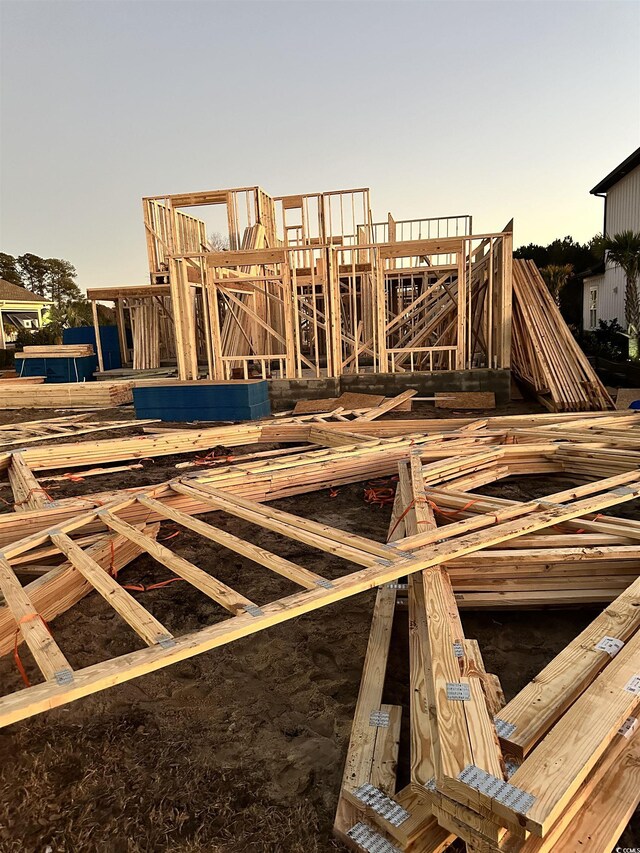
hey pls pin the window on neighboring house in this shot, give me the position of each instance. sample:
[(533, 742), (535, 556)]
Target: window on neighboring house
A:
[(593, 307)]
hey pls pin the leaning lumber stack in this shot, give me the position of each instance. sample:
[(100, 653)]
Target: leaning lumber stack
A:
[(545, 355), (72, 395), (145, 324)]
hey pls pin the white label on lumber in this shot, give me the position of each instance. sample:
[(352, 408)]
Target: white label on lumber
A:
[(633, 685), (610, 645), (628, 727)]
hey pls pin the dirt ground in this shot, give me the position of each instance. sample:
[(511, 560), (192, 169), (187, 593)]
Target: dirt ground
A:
[(240, 749)]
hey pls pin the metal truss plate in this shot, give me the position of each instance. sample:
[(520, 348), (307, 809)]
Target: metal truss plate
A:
[(324, 583), (63, 677), (513, 798), (253, 610), (510, 767), (396, 585), (623, 490), (458, 650), (628, 727), (610, 645), (379, 719), (166, 642), (458, 692), (504, 728), (633, 685), (382, 805), (370, 840)]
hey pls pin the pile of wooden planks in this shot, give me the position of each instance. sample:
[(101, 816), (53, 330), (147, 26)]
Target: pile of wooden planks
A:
[(57, 351), (545, 355), (71, 395)]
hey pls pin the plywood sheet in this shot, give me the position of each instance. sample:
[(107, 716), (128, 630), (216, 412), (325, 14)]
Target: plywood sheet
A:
[(466, 400), (353, 400), (314, 407)]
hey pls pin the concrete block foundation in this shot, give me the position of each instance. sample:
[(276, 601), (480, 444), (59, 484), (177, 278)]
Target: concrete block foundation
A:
[(285, 393)]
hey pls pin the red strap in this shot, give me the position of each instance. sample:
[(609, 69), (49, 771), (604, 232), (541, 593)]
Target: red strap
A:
[(16, 656)]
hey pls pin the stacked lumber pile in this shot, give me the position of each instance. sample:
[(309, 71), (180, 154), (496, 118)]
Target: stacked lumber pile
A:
[(57, 351), (72, 395), (545, 355)]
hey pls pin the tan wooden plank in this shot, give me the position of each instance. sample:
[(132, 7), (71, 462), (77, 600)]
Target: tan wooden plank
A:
[(465, 400), (386, 406), (62, 586), (554, 771), (48, 656), (541, 702), (311, 533), (384, 765), (27, 491)]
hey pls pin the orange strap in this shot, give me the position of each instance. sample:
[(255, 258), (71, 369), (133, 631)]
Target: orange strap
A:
[(170, 536), (595, 518), (409, 507), (16, 656), (18, 662), (454, 513), (75, 478), (213, 458), (32, 492), (379, 492), (112, 564), (135, 587)]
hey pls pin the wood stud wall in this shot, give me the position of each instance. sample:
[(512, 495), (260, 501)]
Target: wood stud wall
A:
[(306, 290)]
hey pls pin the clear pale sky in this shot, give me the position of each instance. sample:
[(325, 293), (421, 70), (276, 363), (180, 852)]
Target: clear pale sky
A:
[(497, 109)]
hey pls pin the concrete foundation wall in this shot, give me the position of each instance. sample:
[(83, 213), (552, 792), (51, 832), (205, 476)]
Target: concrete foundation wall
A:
[(285, 393)]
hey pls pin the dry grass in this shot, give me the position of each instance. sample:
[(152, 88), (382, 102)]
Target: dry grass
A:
[(122, 789)]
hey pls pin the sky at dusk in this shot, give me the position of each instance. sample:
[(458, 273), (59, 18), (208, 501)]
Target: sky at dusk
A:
[(498, 109)]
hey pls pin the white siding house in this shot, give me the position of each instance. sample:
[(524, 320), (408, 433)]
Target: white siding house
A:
[(603, 297)]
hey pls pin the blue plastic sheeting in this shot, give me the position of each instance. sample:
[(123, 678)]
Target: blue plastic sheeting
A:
[(110, 345), (204, 401), (58, 369)]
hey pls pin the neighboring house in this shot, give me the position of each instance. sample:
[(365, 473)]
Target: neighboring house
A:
[(603, 295), (19, 309)]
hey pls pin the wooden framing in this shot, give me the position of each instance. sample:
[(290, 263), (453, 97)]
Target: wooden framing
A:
[(310, 287), (557, 742)]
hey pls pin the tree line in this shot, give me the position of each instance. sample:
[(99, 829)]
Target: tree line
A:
[(564, 263), (54, 279), (51, 278)]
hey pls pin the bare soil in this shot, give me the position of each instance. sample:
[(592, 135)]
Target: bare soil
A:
[(240, 749)]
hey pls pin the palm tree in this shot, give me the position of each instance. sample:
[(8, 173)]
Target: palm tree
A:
[(623, 250), (556, 276)]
